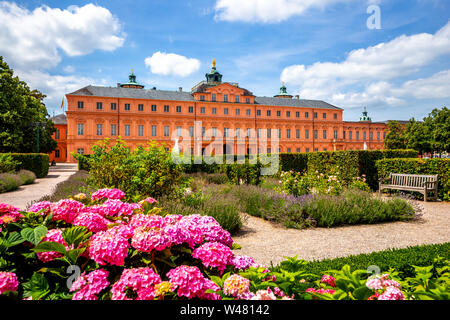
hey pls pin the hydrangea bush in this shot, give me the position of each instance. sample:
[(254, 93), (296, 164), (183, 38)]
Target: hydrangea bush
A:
[(101, 248)]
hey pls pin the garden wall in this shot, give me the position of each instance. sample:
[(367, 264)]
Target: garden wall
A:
[(437, 166)]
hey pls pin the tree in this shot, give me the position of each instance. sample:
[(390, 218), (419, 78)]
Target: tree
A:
[(418, 136), (20, 107), (395, 138), (438, 123)]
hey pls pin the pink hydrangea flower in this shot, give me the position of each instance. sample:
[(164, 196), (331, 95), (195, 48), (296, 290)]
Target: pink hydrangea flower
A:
[(236, 286), (328, 280), (9, 213), (150, 200), (392, 293), (214, 254), (146, 240), (320, 291), (66, 210), (53, 235), (151, 221), (8, 282), (109, 247), (108, 194), (117, 208), (140, 281), (244, 262), (189, 282), (88, 286), (93, 221), (264, 295), (43, 205)]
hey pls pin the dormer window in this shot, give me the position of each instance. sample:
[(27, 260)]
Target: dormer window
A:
[(202, 98)]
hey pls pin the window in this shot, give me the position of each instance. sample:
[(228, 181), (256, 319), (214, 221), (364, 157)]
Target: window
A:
[(127, 130), (80, 129), (57, 134), (343, 134), (202, 109), (80, 150), (306, 114), (140, 107), (99, 105), (191, 109), (315, 115), (203, 131), (56, 153), (278, 113), (364, 135), (140, 130), (279, 133), (238, 112), (306, 149), (324, 132), (127, 107), (153, 130), (114, 129), (357, 135), (166, 108), (166, 131), (297, 133), (335, 116), (268, 113), (324, 149), (113, 106), (335, 134), (324, 115), (80, 104), (178, 109), (213, 97), (214, 110), (316, 149), (269, 133), (178, 131), (350, 135), (378, 136), (316, 134), (236, 98), (153, 107), (288, 114), (238, 132), (289, 150), (306, 134), (225, 98), (288, 133), (371, 135), (298, 150), (249, 112), (258, 112), (297, 114), (225, 111), (214, 132), (269, 150), (258, 133), (191, 132), (202, 98), (247, 100), (225, 132), (249, 133)]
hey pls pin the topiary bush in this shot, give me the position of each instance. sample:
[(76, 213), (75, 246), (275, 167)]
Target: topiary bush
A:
[(9, 182), (26, 176), (36, 162)]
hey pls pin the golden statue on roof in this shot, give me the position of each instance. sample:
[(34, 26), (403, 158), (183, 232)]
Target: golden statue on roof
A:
[(214, 63)]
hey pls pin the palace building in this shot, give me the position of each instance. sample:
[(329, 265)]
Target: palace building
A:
[(212, 108)]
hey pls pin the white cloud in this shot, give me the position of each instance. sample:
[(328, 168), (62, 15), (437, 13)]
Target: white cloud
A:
[(35, 39), (374, 68), (172, 64), (266, 11)]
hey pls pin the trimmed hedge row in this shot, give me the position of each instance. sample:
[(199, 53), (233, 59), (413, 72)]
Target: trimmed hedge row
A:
[(35, 162), (354, 163), (437, 166), (402, 260)]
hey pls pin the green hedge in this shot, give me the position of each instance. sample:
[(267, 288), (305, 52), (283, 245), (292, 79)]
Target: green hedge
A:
[(35, 162), (353, 163), (419, 166), (294, 161), (402, 260), (83, 162)]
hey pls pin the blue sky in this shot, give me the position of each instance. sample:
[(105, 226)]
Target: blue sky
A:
[(322, 49)]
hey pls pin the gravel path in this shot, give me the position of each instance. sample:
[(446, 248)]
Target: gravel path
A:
[(266, 242), (28, 194)]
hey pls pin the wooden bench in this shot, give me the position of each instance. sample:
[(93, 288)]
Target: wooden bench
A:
[(411, 182)]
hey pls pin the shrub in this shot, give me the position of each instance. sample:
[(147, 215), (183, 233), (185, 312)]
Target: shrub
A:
[(294, 161), (143, 172), (246, 173), (7, 163), (36, 162), (437, 166), (26, 176), (9, 182)]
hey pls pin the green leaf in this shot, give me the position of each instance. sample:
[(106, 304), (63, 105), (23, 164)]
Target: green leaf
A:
[(14, 239), (236, 246), (75, 235), (47, 246), (34, 235), (73, 254), (362, 293), (37, 287)]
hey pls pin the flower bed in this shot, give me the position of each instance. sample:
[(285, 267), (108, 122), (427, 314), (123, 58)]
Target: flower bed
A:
[(103, 248)]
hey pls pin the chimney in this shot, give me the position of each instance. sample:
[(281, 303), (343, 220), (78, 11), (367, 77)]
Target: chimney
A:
[(297, 96), (180, 89)]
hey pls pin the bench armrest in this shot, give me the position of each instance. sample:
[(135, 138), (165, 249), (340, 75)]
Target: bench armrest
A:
[(430, 184), (382, 180)]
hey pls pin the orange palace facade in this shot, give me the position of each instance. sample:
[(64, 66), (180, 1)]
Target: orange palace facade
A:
[(211, 108)]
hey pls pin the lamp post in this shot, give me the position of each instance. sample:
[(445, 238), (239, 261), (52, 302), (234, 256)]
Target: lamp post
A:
[(37, 125)]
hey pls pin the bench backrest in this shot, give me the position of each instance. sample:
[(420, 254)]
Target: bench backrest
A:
[(411, 180)]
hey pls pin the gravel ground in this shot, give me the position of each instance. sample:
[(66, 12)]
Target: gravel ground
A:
[(28, 194), (267, 242)]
